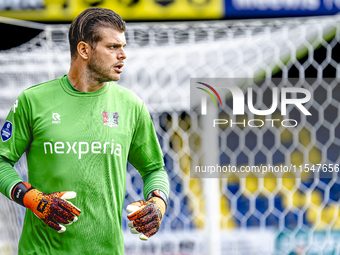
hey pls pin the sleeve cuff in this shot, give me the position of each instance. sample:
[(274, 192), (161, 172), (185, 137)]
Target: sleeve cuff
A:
[(10, 191)]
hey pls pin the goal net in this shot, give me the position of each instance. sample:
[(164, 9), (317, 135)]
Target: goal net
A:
[(254, 215)]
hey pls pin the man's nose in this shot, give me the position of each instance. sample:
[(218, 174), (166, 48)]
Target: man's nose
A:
[(122, 54)]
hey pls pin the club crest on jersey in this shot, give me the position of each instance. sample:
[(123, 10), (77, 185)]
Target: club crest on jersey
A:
[(110, 118), (6, 131)]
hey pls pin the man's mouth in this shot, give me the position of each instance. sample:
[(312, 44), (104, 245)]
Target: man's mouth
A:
[(118, 68)]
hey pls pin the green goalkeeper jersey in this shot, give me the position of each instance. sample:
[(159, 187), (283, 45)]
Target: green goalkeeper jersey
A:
[(81, 141)]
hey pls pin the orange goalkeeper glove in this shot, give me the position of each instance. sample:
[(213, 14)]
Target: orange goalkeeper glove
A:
[(52, 208), (146, 216)]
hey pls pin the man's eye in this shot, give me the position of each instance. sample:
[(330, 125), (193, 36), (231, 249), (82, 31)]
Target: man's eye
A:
[(113, 47)]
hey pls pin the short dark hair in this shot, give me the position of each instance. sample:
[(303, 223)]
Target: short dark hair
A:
[(85, 27)]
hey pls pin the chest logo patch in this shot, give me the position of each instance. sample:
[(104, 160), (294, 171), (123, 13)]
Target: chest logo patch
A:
[(56, 118), (110, 119), (6, 131)]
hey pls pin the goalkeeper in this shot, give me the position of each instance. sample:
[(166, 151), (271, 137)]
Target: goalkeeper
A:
[(78, 132)]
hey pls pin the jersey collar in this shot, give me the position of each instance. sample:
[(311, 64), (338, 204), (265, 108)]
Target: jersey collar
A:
[(67, 86)]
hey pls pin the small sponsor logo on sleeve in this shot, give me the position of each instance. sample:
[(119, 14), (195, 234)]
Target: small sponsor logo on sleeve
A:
[(6, 131)]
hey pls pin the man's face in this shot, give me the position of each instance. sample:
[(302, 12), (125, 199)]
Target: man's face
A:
[(107, 59)]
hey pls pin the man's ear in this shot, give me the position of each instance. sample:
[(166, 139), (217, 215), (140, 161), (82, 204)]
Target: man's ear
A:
[(83, 50)]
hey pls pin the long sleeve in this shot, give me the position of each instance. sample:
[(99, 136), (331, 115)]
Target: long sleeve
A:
[(146, 155), (8, 176), (15, 137), (157, 179)]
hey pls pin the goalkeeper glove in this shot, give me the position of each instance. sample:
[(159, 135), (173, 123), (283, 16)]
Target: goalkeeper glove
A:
[(146, 216), (52, 208)]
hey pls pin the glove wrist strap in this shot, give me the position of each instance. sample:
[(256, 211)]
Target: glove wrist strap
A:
[(160, 194), (19, 192)]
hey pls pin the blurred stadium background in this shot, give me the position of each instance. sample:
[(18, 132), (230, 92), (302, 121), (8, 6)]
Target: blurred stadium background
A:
[(169, 42)]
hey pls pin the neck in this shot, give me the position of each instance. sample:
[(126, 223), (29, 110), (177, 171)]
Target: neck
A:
[(81, 80)]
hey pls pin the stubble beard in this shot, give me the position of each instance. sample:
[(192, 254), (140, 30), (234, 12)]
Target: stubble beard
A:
[(98, 71)]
